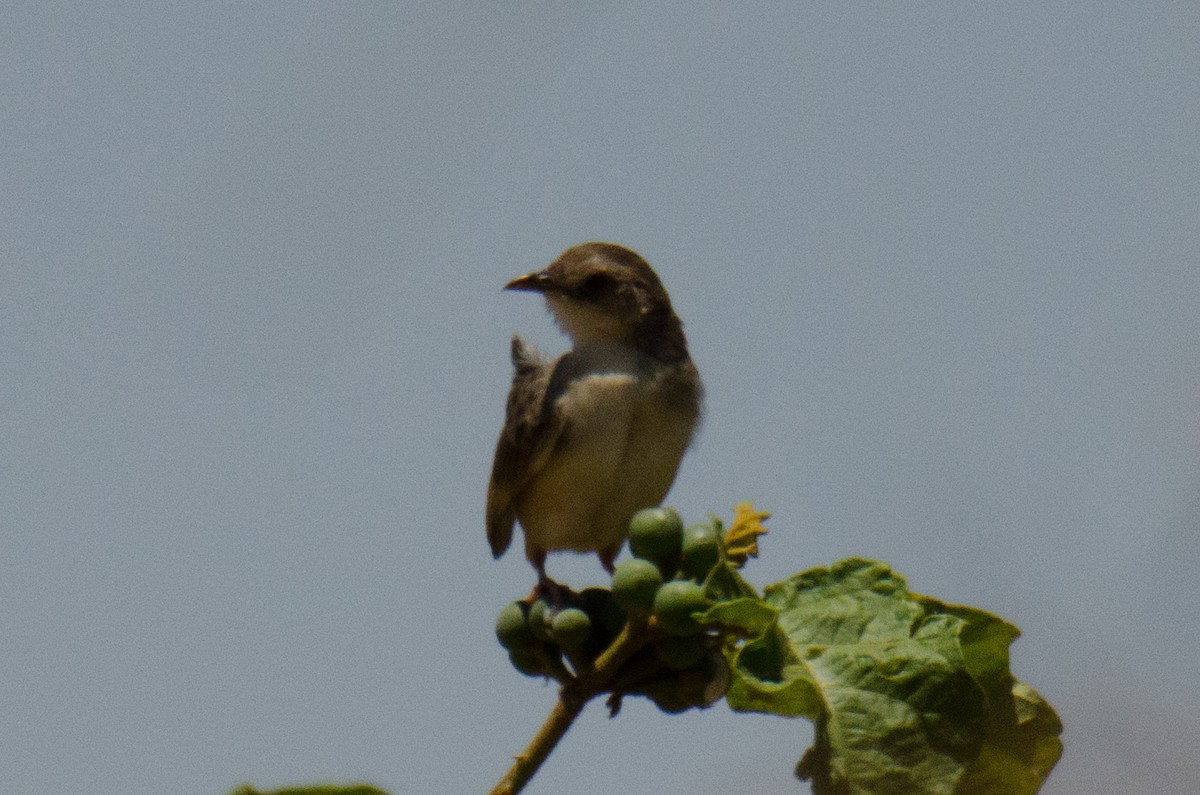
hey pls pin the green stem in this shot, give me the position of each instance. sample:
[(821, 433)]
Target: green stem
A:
[(572, 696), (527, 763)]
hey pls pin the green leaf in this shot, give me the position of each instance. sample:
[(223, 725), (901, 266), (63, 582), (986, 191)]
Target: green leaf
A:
[(724, 584), (1021, 747), (908, 694)]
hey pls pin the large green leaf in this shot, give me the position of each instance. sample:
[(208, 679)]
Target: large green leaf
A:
[(909, 695)]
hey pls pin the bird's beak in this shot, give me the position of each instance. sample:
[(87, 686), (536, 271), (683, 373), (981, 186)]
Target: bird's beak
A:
[(536, 282)]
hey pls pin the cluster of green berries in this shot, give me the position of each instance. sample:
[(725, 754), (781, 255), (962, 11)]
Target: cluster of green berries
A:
[(537, 633), (663, 579), (669, 564)]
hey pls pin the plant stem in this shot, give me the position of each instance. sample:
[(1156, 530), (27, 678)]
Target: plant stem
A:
[(572, 696), (527, 762)]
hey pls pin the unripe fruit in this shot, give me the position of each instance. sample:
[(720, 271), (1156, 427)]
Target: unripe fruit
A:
[(512, 629), (530, 660), (634, 583), (682, 651), (603, 609), (674, 604), (540, 616), (656, 534), (701, 550), (570, 628)]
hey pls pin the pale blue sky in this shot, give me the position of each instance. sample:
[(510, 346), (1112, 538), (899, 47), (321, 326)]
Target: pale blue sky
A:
[(937, 263)]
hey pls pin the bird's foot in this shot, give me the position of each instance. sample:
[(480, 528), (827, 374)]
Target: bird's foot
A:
[(556, 594)]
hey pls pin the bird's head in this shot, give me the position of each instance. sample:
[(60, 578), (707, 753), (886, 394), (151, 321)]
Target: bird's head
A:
[(601, 292)]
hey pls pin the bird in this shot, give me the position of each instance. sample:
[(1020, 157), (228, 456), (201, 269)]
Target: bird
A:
[(598, 433)]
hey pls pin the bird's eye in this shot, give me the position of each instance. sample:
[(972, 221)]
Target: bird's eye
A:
[(595, 285)]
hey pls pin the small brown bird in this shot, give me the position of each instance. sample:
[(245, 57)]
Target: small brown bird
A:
[(597, 434)]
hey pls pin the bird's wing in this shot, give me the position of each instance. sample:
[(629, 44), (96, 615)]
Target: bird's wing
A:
[(531, 429)]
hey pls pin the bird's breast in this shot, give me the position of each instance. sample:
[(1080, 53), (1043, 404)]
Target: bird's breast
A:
[(623, 436)]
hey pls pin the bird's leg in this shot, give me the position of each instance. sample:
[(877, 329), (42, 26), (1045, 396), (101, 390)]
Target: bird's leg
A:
[(553, 592), (546, 588), (607, 556)]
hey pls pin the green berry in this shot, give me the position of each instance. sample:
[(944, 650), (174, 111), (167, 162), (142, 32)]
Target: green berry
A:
[(656, 534), (570, 628), (682, 651), (674, 604), (540, 616), (634, 583), (530, 660), (604, 611), (512, 629), (701, 550)]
